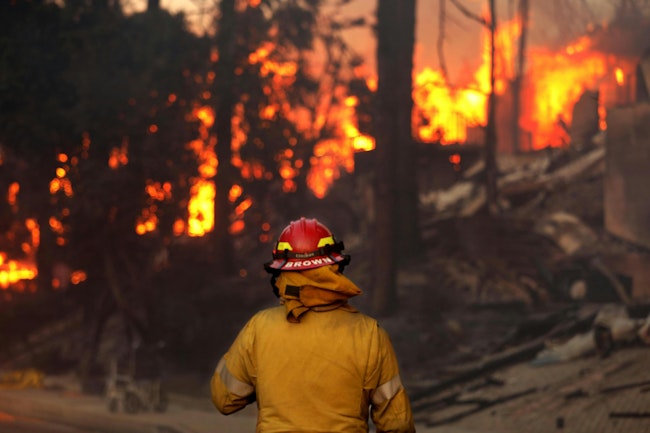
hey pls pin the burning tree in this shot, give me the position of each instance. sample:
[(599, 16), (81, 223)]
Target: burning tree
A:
[(123, 184)]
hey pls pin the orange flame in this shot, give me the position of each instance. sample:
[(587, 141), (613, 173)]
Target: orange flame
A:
[(13, 271), (201, 208), (553, 83), (620, 76), (557, 80), (202, 191), (334, 155)]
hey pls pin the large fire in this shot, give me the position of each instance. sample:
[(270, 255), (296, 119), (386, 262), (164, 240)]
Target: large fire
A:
[(553, 82), (444, 113)]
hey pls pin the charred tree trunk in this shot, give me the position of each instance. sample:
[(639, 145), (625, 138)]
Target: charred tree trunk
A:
[(442, 20), (409, 243), (396, 21), (223, 252), (519, 71), (490, 129), (96, 316)]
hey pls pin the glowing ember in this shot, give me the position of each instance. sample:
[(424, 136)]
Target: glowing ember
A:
[(148, 220), (78, 277), (61, 182), (235, 193), (12, 193), (119, 155)]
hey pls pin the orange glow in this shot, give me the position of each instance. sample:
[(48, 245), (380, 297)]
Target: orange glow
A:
[(444, 113), (289, 185), (61, 183), (201, 208), (56, 225), (55, 185), (268, 112), (329, 156), (235, 192), (5, 417), (62, 157), (13, 271), (243, 207), (153, 129), (620, 76), (372, 83), (556, 83), (286, 170), (119, 155), (34, 230), (582, 44), (236, 227), (333, 156), (78, 277), (455, 158), (205, 115), (158, 192), (602, 118), (179, 227), (12, 193), (552, 84), (146, 223), (202, 190)]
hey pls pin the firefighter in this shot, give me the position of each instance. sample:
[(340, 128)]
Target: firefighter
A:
[(313, 363)]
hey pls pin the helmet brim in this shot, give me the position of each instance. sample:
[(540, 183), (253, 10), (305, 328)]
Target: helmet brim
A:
[(293, 264)]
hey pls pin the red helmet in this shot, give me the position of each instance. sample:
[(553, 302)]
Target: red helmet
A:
[(306, 244)]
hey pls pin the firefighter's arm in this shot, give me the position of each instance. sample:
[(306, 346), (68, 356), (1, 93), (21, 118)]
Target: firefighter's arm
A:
[(390, 406), (232, 386)]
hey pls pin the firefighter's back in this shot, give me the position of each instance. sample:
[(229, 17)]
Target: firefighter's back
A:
[(311, 375)]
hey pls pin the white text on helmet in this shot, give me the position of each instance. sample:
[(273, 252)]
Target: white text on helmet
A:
[(313, 262)]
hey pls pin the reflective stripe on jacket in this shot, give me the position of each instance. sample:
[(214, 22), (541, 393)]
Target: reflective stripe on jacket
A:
[(327, 373)]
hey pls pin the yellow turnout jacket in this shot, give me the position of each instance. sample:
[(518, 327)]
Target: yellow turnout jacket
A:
[(326, 372)]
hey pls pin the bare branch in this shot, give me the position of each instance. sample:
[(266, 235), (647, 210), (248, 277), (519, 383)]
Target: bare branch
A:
[(442, 17), (471, 15)]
